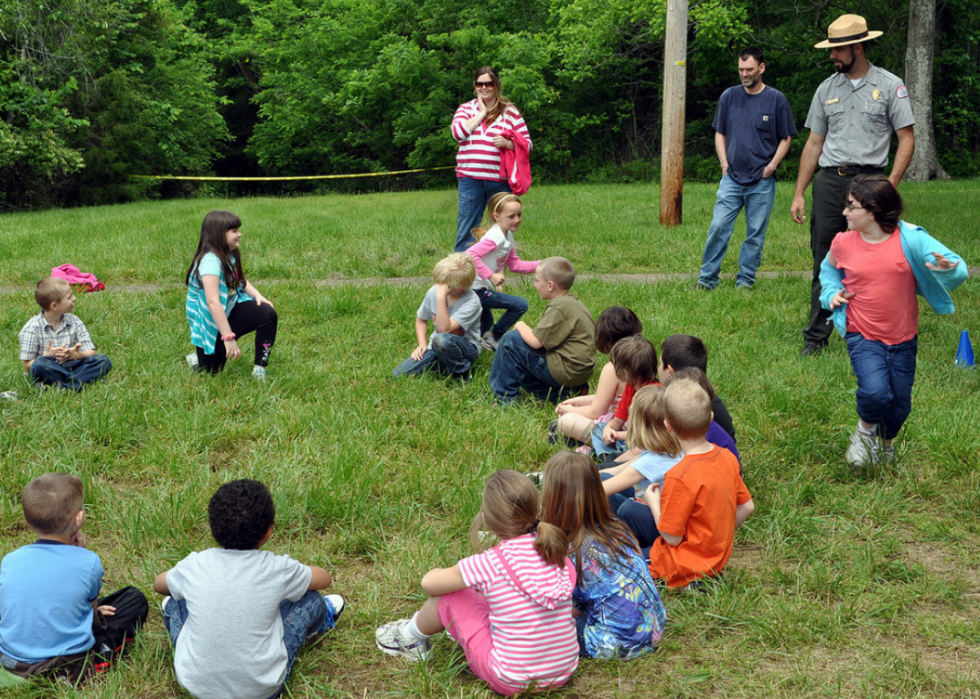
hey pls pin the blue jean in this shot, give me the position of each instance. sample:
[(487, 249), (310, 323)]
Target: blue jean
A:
[(73, 374), (600, 447), (757, 200), (514, 306), (517, 365), (450, 354), (300, 621), (885, 374), (634, 514), (474, 195)]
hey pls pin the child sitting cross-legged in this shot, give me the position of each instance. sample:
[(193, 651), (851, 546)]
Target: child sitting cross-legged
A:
[(619, 613), (238, 615), (703, 499), (51, 619), (635, 359), (454, 310), (55, 345)]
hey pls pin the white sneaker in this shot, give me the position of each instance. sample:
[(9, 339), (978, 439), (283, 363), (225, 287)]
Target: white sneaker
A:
[(192, 360), (9, 395), (489, 343), (863, 449), (335, 607), (164, 602), (392, 639), (258, 373)]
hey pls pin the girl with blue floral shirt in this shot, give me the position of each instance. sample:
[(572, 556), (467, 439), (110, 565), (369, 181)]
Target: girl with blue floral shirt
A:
[(619, 613)]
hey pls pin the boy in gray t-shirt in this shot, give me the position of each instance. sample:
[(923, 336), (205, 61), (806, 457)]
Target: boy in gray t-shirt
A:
[(455, 310), (238, 615)]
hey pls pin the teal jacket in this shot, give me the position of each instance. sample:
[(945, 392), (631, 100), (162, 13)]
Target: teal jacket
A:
[(931, 284)]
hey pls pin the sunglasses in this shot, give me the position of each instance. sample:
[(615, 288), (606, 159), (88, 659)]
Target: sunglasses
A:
[(489, 84)]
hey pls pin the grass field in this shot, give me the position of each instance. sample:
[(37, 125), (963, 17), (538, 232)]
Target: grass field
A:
[(840, 585)]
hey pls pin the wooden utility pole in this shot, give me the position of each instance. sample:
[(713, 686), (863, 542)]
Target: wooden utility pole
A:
[(672, 135)]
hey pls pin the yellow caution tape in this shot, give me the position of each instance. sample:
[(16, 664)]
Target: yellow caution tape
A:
[(288, 179)]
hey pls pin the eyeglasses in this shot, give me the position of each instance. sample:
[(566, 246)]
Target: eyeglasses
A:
[(486, 85), (851, 207)]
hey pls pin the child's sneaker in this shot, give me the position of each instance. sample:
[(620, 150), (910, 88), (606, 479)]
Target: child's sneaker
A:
[(164, 602), (335, 605), (584, 449), (535, 476), (192, 360), (863, 449), (393, 640), (888, 454), (9, 395), (490, 343), (259, 373)]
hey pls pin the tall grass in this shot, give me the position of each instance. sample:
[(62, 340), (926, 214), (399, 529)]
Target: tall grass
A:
[(840, 585)]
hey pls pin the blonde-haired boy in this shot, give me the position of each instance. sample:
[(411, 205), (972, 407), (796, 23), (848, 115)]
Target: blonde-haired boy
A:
[(55, 345), (454, 310), (703, 500), (51, 620)]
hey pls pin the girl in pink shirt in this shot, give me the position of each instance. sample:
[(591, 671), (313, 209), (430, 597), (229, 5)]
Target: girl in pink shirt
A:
[(493, 253), (869, 280), (510, 608)]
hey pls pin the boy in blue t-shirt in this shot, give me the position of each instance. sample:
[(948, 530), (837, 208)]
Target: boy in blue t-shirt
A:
[(51, 620)]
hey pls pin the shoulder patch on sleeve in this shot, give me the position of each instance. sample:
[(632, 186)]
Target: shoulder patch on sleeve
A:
[(901, 93)]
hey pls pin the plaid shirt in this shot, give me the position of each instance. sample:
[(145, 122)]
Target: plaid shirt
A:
[(37, 333)]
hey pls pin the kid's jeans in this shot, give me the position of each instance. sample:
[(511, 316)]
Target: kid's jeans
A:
[(884, 374), (517, 365), (514, 307), (450, 354), (300, 621), (73, 374), (244, 318)]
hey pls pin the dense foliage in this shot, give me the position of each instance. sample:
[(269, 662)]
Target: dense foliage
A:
[(95, 91)]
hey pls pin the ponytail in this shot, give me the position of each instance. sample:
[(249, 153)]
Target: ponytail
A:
[(551, 544)]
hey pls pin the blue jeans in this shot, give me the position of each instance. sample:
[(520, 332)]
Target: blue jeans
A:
[(450, 354), (474, 195), (73, 374), (600, 447), (757, 200), (884, 374), (515, 307), (517, 365), (300, 621), (634, 514)]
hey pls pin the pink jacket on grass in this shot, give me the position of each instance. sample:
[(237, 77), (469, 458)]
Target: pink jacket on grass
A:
[(74, 276)]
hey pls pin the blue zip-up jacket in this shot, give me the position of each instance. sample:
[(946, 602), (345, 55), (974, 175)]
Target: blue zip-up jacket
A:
[(918, 247)]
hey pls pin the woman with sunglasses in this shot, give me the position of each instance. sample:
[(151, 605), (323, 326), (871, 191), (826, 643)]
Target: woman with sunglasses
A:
[(481, 127)]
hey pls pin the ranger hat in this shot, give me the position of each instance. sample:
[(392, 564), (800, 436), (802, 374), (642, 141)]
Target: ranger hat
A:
[(847, 29)]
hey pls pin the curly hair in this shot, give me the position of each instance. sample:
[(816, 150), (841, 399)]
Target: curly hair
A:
[(240, 514)]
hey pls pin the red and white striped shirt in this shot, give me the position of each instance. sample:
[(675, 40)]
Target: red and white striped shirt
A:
[(477, 157), (530, 612)]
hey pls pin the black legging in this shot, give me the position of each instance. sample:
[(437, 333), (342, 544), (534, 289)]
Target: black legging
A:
[(244, 318)]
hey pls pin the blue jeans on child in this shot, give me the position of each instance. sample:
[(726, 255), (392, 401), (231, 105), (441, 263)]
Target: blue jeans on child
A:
[(757, 199), (514, 306), (885, 374), (450, 354), (634, 514), (600, 447), (474, 195), (73, 374), (300, 621), (517, 365)]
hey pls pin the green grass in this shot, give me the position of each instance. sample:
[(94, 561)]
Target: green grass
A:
[(840, 585)]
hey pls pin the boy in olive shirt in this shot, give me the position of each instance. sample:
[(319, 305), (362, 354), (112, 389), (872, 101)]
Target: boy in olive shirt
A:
[(557, 357)]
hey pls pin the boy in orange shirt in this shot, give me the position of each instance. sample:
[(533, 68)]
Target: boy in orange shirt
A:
[(703, 500)]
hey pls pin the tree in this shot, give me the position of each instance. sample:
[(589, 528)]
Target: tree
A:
[(919, 61)]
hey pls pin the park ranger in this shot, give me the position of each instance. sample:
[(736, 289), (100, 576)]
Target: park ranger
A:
[(851, 120)]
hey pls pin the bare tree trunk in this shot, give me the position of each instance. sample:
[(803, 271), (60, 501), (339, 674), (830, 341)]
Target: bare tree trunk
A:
[(918, 76), (675, 89)]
